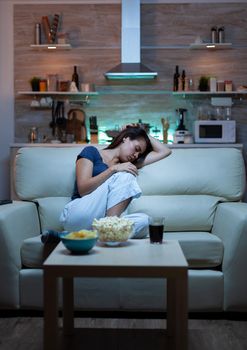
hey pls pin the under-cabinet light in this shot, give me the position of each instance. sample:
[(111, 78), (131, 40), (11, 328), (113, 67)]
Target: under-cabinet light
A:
[(210, 46), (51, 47)]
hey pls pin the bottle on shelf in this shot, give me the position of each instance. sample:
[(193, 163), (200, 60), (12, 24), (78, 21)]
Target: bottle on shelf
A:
[(186, 84), (37, 40), (221, 35), (214, 35), (180, 84), (75, 77), (176, 79), (183, 80)]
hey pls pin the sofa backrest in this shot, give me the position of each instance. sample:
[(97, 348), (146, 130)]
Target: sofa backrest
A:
[(211, 171), (186, 185), (45, 172)]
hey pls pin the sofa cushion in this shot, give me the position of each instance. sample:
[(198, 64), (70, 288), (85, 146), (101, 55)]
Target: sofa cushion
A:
[(34, 252), (181, 212), (201, 249)]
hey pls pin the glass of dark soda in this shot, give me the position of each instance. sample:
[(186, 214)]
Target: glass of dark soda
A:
[(156, 229)]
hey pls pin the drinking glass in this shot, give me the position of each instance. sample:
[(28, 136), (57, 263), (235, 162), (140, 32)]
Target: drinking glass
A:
[(156, 229)]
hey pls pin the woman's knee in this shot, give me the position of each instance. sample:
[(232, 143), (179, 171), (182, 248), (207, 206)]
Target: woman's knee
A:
[(124, 176)]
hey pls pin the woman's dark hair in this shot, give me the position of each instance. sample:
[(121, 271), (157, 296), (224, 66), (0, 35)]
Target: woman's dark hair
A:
[(133, 132)]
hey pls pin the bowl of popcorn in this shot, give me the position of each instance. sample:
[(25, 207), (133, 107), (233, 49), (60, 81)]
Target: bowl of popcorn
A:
[(113, 230), (79, 242)]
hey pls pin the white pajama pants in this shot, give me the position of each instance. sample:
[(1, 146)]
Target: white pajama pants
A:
[(79, 213)]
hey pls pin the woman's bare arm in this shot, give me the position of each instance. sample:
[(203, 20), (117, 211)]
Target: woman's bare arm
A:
[(160, 151)]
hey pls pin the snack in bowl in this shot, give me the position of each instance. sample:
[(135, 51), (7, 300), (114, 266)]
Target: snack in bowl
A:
[(80, 241), (113, 230)]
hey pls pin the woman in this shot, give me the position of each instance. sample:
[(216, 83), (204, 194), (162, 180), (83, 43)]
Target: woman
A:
[(106, 180)]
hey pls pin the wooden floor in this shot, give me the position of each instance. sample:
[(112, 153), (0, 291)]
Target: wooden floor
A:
[(25, 333)]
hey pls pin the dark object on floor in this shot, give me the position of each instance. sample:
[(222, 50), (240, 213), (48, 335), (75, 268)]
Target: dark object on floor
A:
[(50, 236)]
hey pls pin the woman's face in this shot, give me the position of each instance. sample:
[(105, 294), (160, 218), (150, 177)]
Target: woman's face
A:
[(131, 150)]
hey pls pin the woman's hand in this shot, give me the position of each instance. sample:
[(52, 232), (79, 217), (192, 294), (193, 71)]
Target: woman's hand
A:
[(127, 166)]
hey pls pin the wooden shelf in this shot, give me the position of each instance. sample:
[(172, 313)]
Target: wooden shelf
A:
[(79, 94), (58, 93), (51, 47), (210, 93), (192, 46), (210, 46), (81, 97)]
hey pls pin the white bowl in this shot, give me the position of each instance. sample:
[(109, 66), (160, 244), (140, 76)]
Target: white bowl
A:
[(113, 230)]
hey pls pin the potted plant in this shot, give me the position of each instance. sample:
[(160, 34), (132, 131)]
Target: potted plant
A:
[(203, 84), (34, 81)]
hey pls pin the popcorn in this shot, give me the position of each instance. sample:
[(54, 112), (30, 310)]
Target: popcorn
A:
[(113, 228), (82, 234)]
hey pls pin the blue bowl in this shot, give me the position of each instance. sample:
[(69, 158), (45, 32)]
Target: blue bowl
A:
[(78, 246)]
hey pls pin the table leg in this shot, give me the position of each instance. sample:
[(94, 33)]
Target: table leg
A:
[(50, 312), (177, 312), (68, 306)]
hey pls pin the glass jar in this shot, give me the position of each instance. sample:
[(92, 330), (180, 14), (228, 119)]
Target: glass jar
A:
[(52, 82), (228, 85), (220, 85), (43, 85)]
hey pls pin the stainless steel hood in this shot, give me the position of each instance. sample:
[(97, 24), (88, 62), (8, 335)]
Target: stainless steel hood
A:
[(130, 66)]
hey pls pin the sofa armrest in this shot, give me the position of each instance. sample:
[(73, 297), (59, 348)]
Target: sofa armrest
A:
[(18, 221), (230, 225)]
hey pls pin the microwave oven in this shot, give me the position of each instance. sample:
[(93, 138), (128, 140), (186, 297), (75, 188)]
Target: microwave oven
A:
[(215, 131)]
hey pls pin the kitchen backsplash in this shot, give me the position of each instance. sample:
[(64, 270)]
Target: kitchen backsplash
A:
[(94, 33)]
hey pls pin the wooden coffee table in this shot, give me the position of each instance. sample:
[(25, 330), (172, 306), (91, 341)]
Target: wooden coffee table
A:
[(138, 258)]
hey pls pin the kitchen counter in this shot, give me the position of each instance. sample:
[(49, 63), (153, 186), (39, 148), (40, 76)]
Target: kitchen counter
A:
[(171, 145)]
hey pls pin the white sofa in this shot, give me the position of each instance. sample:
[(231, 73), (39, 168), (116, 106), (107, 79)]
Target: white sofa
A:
[(198, 191)]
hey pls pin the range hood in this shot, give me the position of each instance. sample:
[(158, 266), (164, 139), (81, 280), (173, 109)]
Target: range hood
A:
[(130, 66)]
